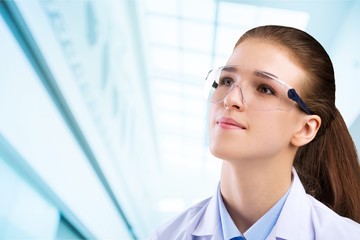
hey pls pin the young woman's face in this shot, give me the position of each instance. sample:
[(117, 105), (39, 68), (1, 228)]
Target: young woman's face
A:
[(240, 133)]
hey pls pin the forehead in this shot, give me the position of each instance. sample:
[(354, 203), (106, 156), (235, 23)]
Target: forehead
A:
[(266, 56)]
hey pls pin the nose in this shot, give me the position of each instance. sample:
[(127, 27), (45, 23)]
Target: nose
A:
[(235, 99)]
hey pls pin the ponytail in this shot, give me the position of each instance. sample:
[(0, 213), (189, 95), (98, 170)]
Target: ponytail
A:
[(329, 169)]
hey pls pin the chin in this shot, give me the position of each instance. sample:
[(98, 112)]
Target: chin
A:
[(222, 152)]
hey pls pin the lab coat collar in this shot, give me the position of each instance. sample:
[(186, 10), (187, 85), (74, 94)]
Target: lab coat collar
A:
[(294, 221), (210, 223)]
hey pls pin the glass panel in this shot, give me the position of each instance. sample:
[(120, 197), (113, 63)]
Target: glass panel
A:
[(24, 213), (67, 231)]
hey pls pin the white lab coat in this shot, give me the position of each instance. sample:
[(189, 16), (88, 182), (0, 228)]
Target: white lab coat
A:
[(302, 217)]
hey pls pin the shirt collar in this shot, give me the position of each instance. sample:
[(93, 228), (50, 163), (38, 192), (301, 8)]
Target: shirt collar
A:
[(228, 226), (260, 230)]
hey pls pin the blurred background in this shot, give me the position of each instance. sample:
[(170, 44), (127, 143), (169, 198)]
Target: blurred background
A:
[(103, 127)]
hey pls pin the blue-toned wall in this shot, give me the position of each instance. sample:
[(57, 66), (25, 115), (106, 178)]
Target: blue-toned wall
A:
[(76, 123)]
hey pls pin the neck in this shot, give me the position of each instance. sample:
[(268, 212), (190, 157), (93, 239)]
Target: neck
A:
[(250, 191)]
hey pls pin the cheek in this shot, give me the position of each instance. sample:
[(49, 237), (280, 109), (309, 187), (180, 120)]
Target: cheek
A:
[(273, 131), (214, 111), (211, 122)]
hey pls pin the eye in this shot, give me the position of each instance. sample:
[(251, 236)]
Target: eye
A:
[(226, 81), (266, 90)]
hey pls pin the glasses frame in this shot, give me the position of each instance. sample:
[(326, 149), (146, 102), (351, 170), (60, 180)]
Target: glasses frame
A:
[(291, 93)]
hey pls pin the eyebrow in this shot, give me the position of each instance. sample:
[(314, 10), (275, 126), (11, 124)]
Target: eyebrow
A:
[(229, 69)]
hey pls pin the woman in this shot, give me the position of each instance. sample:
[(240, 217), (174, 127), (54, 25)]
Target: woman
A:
[(276, 145)]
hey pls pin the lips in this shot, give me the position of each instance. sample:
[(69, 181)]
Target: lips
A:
[(229, 123)]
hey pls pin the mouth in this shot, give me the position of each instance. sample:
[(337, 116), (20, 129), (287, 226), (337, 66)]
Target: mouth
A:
[(229, 123)]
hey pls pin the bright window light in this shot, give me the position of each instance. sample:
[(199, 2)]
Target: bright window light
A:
[(171, 205)]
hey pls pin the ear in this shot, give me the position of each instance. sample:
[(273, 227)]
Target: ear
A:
[(307, 132)]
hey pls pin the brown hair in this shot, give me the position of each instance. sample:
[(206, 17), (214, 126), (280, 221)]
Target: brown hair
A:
[(328, 166)]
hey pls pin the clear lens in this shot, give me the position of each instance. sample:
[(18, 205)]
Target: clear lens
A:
[(259, 90)]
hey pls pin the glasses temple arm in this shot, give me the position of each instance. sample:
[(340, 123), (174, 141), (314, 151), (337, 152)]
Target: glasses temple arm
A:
[(292, 94)]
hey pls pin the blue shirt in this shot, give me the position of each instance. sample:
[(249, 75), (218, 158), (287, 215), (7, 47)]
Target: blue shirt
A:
[(260, 230)]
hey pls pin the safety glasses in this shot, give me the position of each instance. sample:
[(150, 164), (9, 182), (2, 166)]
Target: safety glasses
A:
[(259, 90)]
